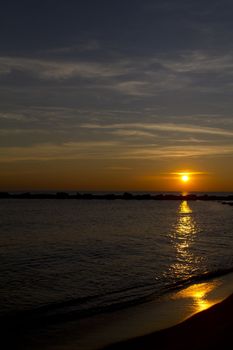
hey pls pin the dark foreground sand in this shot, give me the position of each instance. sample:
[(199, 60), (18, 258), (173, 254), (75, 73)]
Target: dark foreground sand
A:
[(209, 329)]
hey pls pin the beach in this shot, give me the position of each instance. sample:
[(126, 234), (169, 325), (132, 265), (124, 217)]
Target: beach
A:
[(209, 329), (116, 175), (73, 279), (199, 315)]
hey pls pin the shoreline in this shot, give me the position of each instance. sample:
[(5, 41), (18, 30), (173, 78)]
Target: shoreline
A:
[(209, 329), (177, 317), (174, 310), (226, 199)]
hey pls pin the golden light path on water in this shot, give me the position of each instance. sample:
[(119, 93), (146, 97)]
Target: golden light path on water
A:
[(172, 308), (200, 293), (183, 237)]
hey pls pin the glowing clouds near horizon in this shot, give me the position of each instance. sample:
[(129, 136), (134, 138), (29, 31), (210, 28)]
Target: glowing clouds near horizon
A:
[(186, 177)]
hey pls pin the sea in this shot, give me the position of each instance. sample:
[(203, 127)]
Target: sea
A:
[(73, 259)]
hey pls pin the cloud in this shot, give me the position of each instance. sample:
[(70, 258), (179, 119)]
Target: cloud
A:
[(194, 70), (24, 131), (61, 70), (198, 71), (69, 150), (164, 127), (132, 133), (188, 172), (134, 88), (179, 152), (15, 117), (110, 150), (198, 62)]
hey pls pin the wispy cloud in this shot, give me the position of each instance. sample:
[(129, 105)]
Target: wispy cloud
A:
[(132, 133), (69, 150), (179, 152), (110, 150), (35, 131), (133, 88), (16, 117), (181, 128), (188, 172), (198, 62), (61, 70), (133, 76)]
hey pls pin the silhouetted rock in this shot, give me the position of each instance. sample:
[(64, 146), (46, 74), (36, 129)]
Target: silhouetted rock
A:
[(143, 196), (158, 197), (127, 195), (26, 195), (88, 196), (62, 195), (191, 197), (171, 197), (4, 195), (110, 196)]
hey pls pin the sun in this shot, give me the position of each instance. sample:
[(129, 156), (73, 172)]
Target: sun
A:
[(185, 178)]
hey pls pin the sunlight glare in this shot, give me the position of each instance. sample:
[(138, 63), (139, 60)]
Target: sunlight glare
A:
[(185, 178), (201, 295)]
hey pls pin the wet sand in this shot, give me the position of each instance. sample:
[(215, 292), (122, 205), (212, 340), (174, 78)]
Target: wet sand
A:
[(177, 321), (209, 329)]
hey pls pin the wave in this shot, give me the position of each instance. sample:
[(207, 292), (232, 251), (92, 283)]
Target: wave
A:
[(81, 307)]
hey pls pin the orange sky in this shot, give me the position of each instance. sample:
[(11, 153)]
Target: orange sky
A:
[(117, 96), (110, 175)]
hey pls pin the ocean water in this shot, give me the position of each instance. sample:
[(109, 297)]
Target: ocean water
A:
[(73, 258)]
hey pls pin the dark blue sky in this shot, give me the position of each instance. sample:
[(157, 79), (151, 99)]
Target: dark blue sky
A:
[(115, 88), (133, 26)]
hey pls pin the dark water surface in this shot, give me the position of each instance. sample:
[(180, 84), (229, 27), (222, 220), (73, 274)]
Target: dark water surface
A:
[(72, 257)]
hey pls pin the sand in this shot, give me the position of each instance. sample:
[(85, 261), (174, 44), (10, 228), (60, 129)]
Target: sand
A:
[(209, 329), (184, 325)]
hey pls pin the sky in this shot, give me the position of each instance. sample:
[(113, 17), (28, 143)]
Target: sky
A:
[(116, 95)]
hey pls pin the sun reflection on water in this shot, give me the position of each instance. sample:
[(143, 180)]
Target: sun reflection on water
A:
[(184, 208), (182, 238), (201, 295), (187, 265)]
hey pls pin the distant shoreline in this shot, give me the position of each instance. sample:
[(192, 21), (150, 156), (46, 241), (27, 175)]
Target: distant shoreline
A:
[(227, 199)]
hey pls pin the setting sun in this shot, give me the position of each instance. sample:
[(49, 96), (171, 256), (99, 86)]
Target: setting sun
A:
[(185, 178)]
